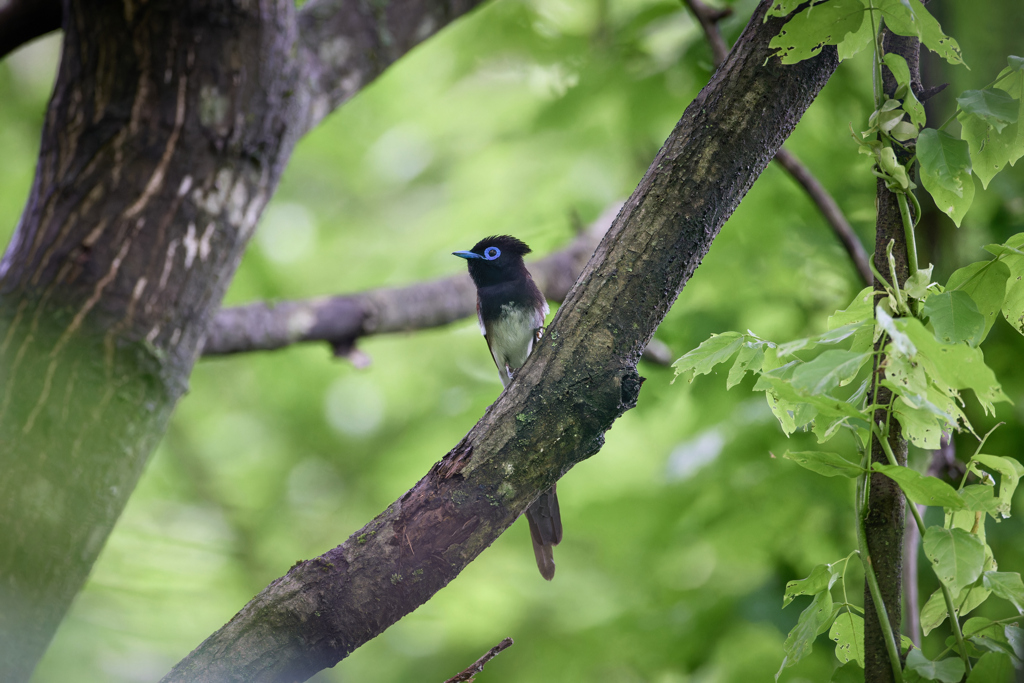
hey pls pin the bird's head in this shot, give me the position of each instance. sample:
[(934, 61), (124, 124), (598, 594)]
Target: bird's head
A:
[(494, 259)]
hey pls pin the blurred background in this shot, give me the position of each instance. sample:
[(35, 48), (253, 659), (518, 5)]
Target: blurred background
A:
[(528, 117)]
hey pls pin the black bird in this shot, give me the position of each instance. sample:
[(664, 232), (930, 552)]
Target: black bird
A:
[(511, 312)]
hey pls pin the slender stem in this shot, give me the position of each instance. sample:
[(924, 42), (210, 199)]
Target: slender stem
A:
[(876, 598), (876, 71), (946, 595), (976, 451), (908, 230)]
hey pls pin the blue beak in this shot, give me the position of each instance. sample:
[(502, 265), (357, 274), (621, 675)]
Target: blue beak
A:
[(467, 255)]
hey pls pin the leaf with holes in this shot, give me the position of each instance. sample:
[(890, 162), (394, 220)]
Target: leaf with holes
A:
[(847, 633), (818, 25), (955, 318), (910, 18), (957, 556)]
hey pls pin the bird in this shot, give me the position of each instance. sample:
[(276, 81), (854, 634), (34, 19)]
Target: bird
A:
[(511, 311)]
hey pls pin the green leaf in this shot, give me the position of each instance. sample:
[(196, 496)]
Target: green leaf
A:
[(813, 620), (934, 611), (955, 318), (1013, 304), (1010, 471), (898, 339), (946, 172), (1008, 586), (822, 462), (701, 360), (949, 670), (847, 633), (993, 667), (821, 578), (953, 366), (829, 370), (993, 106), (985, 282), (923, 427), (910, 18), (980, 498), (749, 359), (901, 72), (818, 25), (957, 556), (858, 311), (991, 149), (922, 489)]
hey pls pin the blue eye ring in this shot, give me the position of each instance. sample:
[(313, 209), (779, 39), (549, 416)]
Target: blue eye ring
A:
[(491, 253)]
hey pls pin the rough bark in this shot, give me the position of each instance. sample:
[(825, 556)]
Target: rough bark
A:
[(886, 508), (168, 128), (580, 378)]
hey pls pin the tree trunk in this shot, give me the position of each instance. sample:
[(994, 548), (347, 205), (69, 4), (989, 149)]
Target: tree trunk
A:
[(169, 126), (886, 508), (579, 379)]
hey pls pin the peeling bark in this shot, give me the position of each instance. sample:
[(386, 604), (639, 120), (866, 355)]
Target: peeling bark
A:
[(579, 379)]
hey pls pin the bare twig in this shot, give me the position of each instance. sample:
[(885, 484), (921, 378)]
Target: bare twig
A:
[(708, 17), (476, 667)]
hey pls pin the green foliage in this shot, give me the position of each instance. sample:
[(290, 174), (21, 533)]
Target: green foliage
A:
[(949, 670)]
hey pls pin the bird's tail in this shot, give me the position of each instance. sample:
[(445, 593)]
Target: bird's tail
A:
[(545, 530)]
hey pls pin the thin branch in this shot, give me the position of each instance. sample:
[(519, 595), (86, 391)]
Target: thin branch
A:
[(470, 673), (578, 380), (830, 210), (345, 44), (708, 17), (22, 21)]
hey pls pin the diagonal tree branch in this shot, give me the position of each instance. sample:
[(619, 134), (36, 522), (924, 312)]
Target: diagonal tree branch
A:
[(579, 379), (345, 44), (22, 21), (708, 17)]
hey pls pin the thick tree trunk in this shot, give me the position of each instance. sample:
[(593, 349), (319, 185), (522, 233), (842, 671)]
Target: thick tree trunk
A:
[(169, 126), (579, 379)]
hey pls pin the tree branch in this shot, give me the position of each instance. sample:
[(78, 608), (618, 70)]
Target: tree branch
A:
[(22, 21), (476, 667), (579, 379), (708, 17), (342, 320), (345, 44)]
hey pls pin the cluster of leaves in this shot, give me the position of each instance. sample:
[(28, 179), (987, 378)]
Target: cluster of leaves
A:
[(926, 338), (990, 137)]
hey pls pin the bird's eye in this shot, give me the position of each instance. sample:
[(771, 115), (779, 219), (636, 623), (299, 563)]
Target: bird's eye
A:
[(491, 253)]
